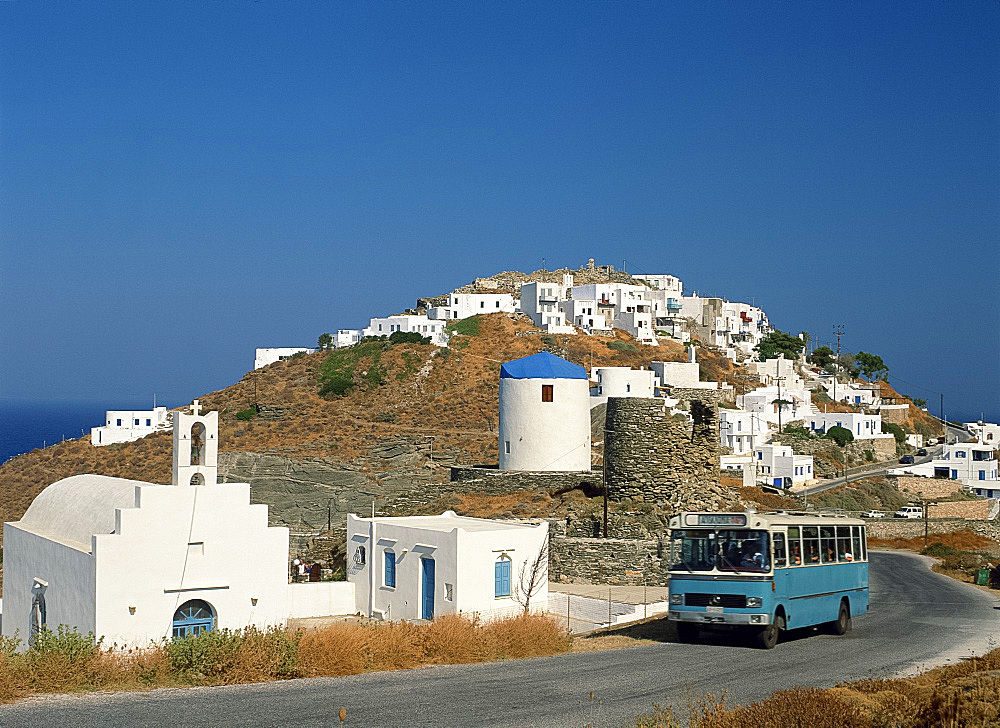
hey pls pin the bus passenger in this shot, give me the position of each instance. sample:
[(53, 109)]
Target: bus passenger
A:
[(796, 554), (752, 557), (813, 554)]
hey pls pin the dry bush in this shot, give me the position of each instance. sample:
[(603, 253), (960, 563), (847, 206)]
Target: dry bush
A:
[(455, 640), (333, 651), (787, 709), (526, 635)]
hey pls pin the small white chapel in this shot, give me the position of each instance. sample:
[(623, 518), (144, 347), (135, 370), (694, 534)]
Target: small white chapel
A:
[(136, 562)]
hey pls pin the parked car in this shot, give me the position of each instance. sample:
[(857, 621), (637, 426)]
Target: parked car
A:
[(873, 514), (922, 451), (906, 459), (910, 512)]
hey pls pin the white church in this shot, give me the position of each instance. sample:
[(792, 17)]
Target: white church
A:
[(137, 562)]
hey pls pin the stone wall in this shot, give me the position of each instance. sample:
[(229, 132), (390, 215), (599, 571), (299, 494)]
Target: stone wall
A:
[(714, 396), (654, 457), (884, 448), (926, 487), (978, 510), (913, 527), (492, 481), (896, 416), (607, 561)]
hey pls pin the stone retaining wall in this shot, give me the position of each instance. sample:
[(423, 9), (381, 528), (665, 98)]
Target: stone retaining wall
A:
[(926, 487), (978, 510), (703, 395), (913, 527), (607, 561), (492, 481)]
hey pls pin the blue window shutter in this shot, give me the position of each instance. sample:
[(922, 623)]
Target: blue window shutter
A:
[(502, 578), (390, 568), (497, 579)]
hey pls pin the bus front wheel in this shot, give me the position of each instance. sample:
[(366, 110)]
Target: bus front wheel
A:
[(687, 632), (842, 625), (767, 638)]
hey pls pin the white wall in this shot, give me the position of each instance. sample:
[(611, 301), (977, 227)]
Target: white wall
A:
[(149, 421), (464, 556), (862, 426), (189, 542), (676, 373), (69, 596), (622, 382), (409, 323), (544, 435), (464, 305), (321, 599), (263, 357)]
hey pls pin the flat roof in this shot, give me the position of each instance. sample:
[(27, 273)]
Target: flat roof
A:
[(448, 521)]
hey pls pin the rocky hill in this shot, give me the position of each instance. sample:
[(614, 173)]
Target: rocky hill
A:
[(407, 411)]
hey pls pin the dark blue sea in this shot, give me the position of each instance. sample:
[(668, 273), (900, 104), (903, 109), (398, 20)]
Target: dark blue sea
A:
[(27, 425)]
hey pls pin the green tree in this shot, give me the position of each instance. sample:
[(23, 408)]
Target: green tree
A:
[(325, 342), (896, 431), (847, 365), (779, 342), (822, 357), (871, 366), (840, 435), (918, 401)]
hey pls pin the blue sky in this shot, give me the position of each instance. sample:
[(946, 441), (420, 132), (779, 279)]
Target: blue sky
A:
[(182, 182)]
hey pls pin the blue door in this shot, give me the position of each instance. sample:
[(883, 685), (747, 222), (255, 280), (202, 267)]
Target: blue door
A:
[(777, 482), (427, 612)]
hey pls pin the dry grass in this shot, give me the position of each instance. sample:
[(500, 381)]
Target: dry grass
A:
[(69, 662), (965, 694)]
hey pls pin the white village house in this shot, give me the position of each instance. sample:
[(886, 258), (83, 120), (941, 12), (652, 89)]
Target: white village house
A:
[(862, 426), (268, 355), (129, 425), (409, 323), (621, 382), (421, 567)]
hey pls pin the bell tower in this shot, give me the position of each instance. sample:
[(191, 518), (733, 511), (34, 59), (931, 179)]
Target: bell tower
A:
[(196, 447)]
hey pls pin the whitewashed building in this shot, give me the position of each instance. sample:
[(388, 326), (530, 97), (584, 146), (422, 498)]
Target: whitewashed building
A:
[(773, 370), (585, 315), (464, 305), (862, 426), (409, 323), (621, 382), (972, 463), (422, 567), (771, 405), (544, 415), (346, 337), (540, 301), (778, 466), (665, 293), (129, 425), (136, 562), (987, 433), (741, 431), (264, 356)]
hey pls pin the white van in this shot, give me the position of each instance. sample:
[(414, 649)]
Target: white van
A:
[(910, 512)]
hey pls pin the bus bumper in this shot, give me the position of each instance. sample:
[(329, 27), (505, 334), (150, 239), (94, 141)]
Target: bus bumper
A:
[(744, 620)]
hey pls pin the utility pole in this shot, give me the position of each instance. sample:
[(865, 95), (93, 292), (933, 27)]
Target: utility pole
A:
[(838, 331), (779, 380)]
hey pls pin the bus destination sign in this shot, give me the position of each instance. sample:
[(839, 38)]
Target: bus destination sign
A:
[(716, 519)]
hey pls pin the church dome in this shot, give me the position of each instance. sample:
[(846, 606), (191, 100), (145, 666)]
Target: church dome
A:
[(75, 508)]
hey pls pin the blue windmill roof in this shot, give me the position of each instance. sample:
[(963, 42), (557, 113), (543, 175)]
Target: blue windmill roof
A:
[(542, 366)]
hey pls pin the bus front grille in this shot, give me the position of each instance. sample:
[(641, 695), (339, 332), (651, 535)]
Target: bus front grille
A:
[(698, 599)]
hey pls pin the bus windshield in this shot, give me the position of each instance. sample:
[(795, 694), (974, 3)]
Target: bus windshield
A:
[(725, 549)]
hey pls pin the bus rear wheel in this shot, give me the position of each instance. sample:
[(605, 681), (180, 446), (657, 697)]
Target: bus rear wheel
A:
[(767, 638), (842, 624)]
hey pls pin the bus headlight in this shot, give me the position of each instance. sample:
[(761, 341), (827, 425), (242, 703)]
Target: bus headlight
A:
[(676, 598), (754, 602)]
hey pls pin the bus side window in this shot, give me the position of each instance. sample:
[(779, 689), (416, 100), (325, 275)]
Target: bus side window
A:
[(810, 544), (828, 543), (780, 559), (864, 544), (794, 546), (856, 540), (844, 552)]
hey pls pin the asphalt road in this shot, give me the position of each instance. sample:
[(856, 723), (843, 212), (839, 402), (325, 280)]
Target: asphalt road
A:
[(918, 619)]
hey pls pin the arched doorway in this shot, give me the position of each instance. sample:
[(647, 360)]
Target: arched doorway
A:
[(193, 618)]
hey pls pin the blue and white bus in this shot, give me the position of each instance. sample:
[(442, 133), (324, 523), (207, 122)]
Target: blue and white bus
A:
[(766, 572)]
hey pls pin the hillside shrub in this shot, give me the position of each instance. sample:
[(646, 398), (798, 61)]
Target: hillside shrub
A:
[(840, 435), (246, 415), (797, 432), (622, 346), (465, 327), (896, 430), (408, 337)]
